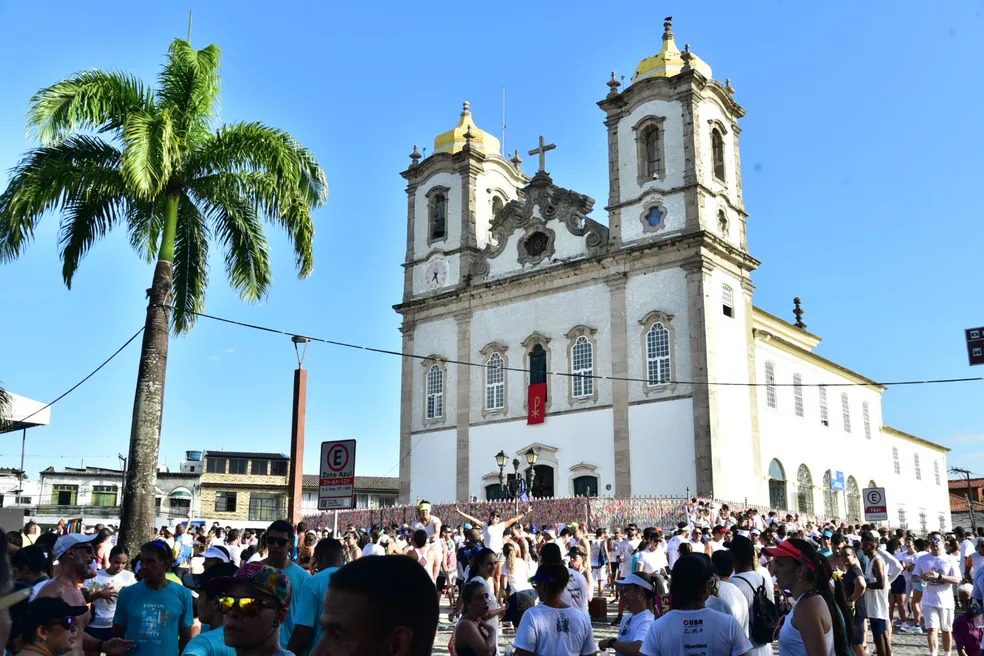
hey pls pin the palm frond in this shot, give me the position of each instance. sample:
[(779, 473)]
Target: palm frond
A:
[(50, 177), (88, 216), (91, 100), (149, 152), (145, 223), (189, 85), (190, 266), (6, 404), (238, 227)]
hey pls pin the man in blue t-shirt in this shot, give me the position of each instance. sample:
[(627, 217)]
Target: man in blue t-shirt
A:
[(328, 557), (279, 539)]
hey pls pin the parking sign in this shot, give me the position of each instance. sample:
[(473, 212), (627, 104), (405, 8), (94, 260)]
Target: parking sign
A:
[(336, 488)]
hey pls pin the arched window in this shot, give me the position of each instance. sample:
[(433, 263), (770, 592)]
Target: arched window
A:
[(770, 384), (846, 412), (435, 392), (867, 420), (495, 385), (717, 153), (649, 149), (777, 486), (853, 500), (586, 486), (438, 215), (653, 151), (582, 368), (657, 355), (722, 223), (727, 301), (538, 364), (824, 418), (798, 394), (496, 206), (804, 490), (829, 496)]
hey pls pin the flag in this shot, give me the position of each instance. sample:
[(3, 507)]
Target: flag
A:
[(536, 403)]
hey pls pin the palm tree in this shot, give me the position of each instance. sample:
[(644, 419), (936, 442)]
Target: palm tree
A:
[(114, 152), (5, 404)]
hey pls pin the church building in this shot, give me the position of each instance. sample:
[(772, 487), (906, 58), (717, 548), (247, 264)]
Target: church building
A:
[(636, 332)]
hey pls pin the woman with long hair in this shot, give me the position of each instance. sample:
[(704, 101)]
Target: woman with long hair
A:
[(815, 626), (482, 570), (472, 635)]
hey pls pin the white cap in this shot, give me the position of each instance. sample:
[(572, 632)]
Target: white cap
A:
[(217, 552), (635, 579), (66, 542)]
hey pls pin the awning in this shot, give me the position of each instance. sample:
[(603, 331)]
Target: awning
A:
[(180, 493)]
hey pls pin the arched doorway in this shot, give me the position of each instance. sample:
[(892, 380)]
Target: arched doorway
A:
[(853, 500), (543, 483), (777, 486), (804, 490)]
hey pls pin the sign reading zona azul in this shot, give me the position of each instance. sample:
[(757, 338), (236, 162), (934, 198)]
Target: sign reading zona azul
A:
[(336, 485)]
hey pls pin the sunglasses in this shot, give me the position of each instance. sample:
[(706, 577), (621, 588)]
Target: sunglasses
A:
[(277, 542), (248, 606), (67, 623)]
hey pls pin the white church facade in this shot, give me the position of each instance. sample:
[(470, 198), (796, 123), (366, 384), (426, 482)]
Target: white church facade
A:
[(662, 376)]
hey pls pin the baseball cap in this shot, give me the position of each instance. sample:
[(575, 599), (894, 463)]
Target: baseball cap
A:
[(575, 551), (551, 573), (201, 581), (66, 542), (265, 579), (635, 579), (217, 552), (45, 610)]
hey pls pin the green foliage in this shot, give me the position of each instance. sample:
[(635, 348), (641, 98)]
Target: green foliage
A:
[(5, 407), (113, 152)]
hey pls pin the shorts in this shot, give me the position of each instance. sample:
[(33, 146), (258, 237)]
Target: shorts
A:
[(878, 627), (918, 586), (898, 585), (859, 636), (100, 633), (935, 617)]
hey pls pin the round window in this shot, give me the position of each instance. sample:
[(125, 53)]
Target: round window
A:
[(536, 244)]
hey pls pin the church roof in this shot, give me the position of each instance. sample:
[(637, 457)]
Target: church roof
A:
[(669, 61), (455, 139), (914, 438)]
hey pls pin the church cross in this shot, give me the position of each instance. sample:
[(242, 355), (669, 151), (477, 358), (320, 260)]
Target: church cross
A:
[(542, 152)]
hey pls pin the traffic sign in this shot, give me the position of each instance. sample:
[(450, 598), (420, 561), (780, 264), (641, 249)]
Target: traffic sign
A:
[(336, 485), (975, 345), (837, 481), (875, 509)]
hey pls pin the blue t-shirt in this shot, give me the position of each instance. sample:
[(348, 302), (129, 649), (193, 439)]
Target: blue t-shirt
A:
[(311, 600), (297, 575), (209, 643), (154, 618)]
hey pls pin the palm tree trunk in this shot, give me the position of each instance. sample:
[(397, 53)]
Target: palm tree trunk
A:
[(139, 509)]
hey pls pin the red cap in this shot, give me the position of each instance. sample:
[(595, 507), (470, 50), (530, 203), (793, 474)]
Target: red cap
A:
[(786, 549)]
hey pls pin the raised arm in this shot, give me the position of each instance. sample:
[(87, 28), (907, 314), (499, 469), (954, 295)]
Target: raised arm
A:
[(471, 519), (512, 520)]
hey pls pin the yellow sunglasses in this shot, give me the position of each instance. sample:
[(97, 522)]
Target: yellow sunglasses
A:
[(246, 605)]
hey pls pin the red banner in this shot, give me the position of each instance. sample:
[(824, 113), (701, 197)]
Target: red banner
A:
[(536, 403)]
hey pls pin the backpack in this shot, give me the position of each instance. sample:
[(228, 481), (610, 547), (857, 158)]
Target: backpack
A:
[(763, 620)]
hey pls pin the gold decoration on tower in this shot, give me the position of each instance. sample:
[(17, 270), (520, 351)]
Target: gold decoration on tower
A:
[(466, 131), (669, 61)]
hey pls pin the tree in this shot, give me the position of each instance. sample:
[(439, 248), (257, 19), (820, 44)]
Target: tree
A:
[(113, 153), (5, 404)]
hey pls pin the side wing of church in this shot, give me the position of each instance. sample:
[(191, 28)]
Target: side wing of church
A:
[(661, 376)]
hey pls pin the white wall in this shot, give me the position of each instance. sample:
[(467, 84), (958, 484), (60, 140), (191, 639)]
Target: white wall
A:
[(433, 464), (437, 337), (661, 438), (673, 152)]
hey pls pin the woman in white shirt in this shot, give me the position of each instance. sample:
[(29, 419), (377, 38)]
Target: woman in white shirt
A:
[(638, 594), (493, 533)]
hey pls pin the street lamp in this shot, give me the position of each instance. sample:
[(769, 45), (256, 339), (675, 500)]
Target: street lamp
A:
[(514, 487)]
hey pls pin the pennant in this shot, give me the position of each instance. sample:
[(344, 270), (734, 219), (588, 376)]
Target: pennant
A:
[(536, 403)]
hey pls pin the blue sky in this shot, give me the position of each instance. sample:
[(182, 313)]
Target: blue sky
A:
[(861, 151)]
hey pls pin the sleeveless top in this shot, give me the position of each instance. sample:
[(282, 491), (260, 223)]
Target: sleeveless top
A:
[(876, 601), (791, 642)]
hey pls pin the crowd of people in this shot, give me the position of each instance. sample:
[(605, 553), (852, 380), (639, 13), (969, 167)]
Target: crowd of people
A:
[(721, 582)]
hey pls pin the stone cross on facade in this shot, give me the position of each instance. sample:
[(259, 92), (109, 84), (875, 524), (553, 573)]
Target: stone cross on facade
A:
[(542, 152)]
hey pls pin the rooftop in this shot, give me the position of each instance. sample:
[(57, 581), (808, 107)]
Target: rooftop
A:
[(246, 454), (362, 483)]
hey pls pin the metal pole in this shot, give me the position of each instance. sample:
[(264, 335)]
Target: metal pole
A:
[(294, 484), (334, 530)]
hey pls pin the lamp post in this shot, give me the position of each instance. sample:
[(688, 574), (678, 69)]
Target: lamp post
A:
[(514, 487)]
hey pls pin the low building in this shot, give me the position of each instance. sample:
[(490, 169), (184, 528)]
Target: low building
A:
[(370, 492), (244, 489), (967, 502)]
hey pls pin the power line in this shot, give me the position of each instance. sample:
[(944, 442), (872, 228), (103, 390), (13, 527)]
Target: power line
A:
[(81, 382), (464, 363)]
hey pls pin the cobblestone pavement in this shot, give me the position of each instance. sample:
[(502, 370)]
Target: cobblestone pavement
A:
[(902, 644)]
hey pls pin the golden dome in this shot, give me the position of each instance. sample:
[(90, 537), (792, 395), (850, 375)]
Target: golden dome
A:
[(454, 139), (669, 61)]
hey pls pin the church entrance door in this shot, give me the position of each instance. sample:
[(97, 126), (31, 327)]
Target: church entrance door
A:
[(543, 484)]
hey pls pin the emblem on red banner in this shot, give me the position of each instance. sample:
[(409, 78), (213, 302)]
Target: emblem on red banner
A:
[(536, 403)]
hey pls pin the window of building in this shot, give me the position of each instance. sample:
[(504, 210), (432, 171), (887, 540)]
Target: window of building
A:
[(866, 418), (649, 149), (225, 502), (23, 501), (717, 153), (437, 211), (278, 468), (824, 418), (493, 491), (435, 392), (64, 495), (770, 384), (495, 383), (942, 519), (846, 412), (180, 506), (497, 205), (238, 465), (586, 486), (798, 394), (361, 500), (536, 244), (922, 523), (830, 505), (582, 368), (902, 519), (936, 471), (538, 364), (265, 507), (727, 301), (657, 355), (853, 500), (915, 463), (896, 465), (777, 485), (215, 465), (104, 495), (722, 223), (260, 467), (804, 490), (653, 149), (654, 216)]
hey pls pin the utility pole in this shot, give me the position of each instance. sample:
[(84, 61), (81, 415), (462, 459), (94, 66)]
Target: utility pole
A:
[(970, 500), (295, 480)]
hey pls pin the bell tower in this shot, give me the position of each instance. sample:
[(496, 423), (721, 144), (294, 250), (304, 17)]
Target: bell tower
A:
[(673, 151)]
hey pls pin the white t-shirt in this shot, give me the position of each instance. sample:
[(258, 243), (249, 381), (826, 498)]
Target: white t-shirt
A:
[(635, 628), (731, 601), (703, 632), (966, 548), (548, 631), (432, 527), (625, 550), (651, 561), (596, 548), (492, 536), (939, 595), (104, 609), (577, 594), (373, 549), (518, 575)]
